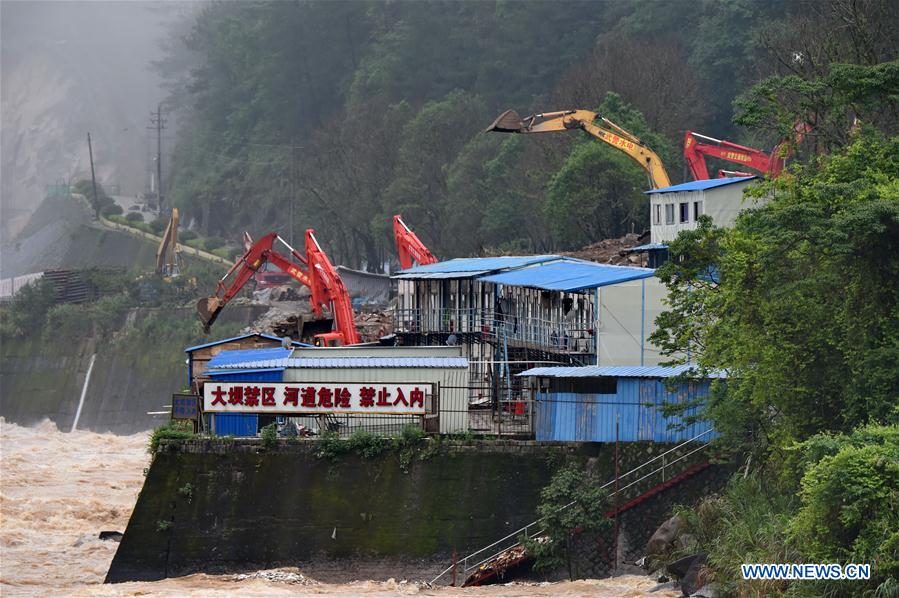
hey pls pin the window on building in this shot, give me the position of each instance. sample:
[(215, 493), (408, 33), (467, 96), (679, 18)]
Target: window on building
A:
[(697, 209), (657, 214), (669, 213), (685, 212), (586, 386)]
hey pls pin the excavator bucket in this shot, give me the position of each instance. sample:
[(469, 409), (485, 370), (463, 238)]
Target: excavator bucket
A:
[(207, 310), (507, 122)]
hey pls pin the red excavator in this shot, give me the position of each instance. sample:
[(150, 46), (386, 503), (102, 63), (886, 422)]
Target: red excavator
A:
[(315, 271), (409, 247), (697, 147)]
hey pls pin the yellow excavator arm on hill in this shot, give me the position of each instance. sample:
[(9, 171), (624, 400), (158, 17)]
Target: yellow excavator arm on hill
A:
[(168, 256), (591, 122)]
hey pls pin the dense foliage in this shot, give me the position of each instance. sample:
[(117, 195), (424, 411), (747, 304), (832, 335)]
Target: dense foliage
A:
[(337, 115), (571, 504), (799, 302)]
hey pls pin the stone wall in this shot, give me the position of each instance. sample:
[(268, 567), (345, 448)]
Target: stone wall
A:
[(218, 505)]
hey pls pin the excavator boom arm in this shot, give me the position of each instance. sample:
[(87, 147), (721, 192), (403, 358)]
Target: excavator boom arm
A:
[(697, 147), (594, 124), (328, 287), (409, 247), (320, 276)]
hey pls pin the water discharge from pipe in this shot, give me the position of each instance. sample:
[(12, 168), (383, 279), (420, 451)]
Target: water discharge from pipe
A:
[(87, 380)]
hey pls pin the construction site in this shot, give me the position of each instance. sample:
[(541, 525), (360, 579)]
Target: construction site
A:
[(323, 303)]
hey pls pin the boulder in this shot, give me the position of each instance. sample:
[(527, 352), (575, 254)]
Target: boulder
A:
[(665, 535), (695, 577)]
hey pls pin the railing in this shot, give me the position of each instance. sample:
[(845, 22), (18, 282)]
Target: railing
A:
[(552, 335), (512, 540)]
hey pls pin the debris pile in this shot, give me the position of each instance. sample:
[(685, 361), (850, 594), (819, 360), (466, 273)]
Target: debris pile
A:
[(290, 575), (609, 251), (288, 318), (373, 325)]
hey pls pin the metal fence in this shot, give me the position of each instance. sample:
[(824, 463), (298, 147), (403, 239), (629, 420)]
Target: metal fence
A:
[(552, 335)]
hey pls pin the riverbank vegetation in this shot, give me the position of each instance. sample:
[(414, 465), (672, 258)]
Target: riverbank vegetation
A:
[(799, 303)]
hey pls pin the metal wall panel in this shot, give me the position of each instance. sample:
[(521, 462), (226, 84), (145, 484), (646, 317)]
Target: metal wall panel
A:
[(234, 424), (582, 417)]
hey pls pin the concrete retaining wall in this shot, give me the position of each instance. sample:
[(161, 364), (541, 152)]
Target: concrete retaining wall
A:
[(215, 505)]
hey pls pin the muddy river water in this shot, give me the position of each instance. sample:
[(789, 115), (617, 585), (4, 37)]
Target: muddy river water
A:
[(59, 490)]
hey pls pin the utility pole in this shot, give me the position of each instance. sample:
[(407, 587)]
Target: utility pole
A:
[(157, 122), (90, 151)]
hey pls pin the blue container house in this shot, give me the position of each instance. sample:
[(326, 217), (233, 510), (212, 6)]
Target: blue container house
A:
[(583, 404)]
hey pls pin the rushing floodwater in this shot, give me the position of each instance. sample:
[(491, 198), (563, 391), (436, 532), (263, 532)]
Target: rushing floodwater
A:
[(59, 490)]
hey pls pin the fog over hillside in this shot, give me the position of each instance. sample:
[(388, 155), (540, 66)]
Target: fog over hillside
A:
[(69, 68)]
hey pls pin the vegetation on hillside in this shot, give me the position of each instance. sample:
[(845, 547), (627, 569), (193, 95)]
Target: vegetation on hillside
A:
[(357, 110), (799, 303)]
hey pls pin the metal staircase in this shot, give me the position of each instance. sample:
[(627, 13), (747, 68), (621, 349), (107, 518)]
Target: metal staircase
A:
[(640, 483)]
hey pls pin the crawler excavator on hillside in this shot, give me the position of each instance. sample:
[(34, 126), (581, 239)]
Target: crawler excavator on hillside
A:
[(314, 271), (596, 125), (409, 247)]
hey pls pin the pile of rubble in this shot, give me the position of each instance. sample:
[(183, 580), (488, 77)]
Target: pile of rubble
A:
[(287, 318), (289, 575), (609, 251), (373, 325)]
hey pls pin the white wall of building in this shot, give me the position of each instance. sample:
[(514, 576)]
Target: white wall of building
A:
[(671, 213), (626, 317)]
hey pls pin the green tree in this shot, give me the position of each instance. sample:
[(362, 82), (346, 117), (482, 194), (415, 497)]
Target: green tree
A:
[(799, 302), (572, 503)]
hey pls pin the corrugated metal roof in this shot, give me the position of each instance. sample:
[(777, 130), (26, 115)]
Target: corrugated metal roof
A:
[(227, 358), (241, 337), (473, 266), (701, 185), (224, 372), (617, 371), (352, 362), (569, 276)]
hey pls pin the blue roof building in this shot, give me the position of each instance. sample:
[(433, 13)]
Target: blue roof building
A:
[(676, 208)]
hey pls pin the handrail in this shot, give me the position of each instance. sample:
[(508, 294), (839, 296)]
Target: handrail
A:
[(523, 530)]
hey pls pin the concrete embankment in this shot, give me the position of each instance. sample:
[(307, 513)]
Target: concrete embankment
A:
[(231, 505)]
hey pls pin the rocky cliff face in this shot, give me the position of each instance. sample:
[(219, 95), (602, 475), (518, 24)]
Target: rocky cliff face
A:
[(70, 68)]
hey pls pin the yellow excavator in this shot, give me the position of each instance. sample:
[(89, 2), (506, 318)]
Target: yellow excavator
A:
[(598, 126), (168, 256)]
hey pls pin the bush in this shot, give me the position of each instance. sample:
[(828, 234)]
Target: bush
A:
[(112, 209), (186, 235), (134, 217), (28, 311), (269, 435), (214, 243), (117, 218), (195, 243), (158, 225), (222, 252), (850, 505), (173, 429), (587, 514)]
